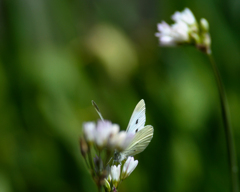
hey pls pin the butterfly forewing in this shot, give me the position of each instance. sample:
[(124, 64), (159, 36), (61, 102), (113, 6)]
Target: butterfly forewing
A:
[(140, 141), (138, 118)]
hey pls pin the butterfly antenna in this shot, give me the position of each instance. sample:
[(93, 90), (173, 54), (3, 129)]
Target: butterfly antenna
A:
[(97, 109)]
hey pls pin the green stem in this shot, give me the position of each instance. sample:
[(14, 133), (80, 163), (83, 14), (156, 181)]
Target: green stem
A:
[(99, 188), (232, 158), (107, 158), (86, 163), (90, 159)]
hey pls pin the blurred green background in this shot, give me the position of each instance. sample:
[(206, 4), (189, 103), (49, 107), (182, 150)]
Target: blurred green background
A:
[(56, 56)]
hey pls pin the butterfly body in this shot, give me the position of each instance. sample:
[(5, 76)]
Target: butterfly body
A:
[(118, 157)]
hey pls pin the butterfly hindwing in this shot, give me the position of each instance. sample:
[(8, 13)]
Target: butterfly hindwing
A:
[(138, 118), (140, 141)]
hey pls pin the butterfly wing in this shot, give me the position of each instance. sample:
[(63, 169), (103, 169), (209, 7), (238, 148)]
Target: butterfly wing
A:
[(140, 141), (138, 118)]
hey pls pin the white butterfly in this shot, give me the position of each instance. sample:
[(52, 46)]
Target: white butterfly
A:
[(142, 134)]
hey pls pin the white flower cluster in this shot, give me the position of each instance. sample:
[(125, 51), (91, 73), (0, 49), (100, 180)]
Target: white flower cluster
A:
[(178, 32), (106, 138), (116, 176), (185, 30), (105, 134)]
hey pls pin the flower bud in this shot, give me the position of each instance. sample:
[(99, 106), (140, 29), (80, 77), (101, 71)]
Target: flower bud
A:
[(115, 174), (83, 147), (107, 185), (207, 42), (128, 167), (109, 178), (204, 25)]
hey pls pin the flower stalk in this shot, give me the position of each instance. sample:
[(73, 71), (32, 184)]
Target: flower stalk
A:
[(232, 157)]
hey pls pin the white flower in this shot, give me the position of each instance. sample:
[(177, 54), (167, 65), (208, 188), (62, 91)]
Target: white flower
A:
[(115, 174), (89, 131), (112, 136), (171, 35), (124, 139), (186, 16), (128, 167), (105, 134), (115, 129), (179, 32), (103, 131), (121, 140)]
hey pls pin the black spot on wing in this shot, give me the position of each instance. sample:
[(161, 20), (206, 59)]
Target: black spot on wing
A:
[(137, 122), (136, 131)]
